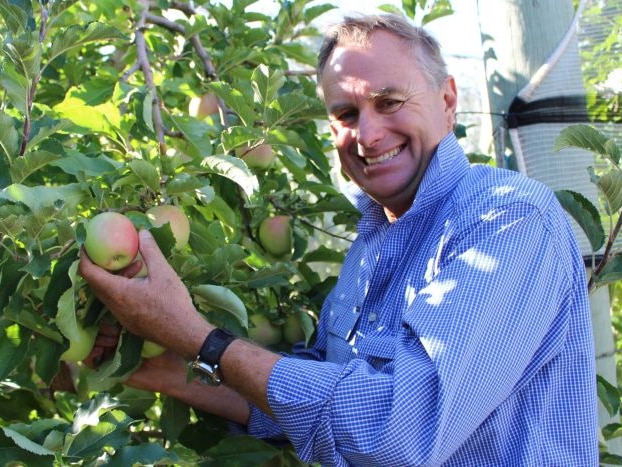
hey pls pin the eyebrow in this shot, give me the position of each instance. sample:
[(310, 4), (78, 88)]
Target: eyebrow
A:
[(382, 92)]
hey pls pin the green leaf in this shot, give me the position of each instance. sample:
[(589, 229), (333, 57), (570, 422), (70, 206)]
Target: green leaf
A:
[(102, 118), (609, 395), (25, 53), (45, 127), (66, 317), (324, 255), (236, 101), (235, 170), (16, 87), (273, 276), (612, 430), (16, 14), (266, 84), (175, 417), (240, 450), (110, 430), (146, 173), (588, 138), (611, 185), (13, 346), (9, 136), (586, 215), (74, 163), (41, 196), (219, 298), (607, 458), (25, 443), (142, 454), (611, 272), (126, 359), (77, 36), (30, 163)]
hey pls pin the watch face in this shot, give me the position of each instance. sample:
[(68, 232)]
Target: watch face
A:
[(207, 373)]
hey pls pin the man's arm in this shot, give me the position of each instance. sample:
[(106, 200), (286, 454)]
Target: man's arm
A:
[(159, 308)]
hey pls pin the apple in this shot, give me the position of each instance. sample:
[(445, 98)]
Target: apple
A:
[(262, 331), (151, 349), (258, 157), (292, 330), (203, 106), (143, 269), (177, 219), (81, 345), (276, 235), (111, 240)]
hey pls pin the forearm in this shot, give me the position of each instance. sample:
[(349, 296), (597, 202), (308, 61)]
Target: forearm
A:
[(221, 401), (246, 369)]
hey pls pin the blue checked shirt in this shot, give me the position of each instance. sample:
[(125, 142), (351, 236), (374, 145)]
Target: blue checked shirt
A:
[(458, 335)]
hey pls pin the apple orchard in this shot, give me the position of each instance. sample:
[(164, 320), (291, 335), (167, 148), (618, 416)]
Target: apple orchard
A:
[(199, 122)]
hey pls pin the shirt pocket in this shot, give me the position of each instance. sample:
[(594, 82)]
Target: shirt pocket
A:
[(341, 326)]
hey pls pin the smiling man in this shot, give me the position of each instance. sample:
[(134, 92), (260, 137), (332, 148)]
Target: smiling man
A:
[(458, 332)]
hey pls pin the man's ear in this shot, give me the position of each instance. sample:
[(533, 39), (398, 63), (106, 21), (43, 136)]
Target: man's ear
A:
[(450, 95)]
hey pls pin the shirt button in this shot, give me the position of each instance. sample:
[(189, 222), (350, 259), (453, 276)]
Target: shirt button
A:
[(372, 317)]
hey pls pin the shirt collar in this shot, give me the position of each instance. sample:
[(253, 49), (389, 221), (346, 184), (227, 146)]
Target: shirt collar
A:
[(448, 165)]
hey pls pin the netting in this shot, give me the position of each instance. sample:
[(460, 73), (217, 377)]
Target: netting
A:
[(581, 82)]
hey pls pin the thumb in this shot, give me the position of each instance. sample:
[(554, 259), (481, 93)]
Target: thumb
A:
[(152, 256)]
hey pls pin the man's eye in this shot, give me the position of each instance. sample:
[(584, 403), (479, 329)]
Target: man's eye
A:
[(346, 116), (390, 105)]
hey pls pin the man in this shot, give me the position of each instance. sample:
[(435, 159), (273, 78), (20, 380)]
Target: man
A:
[(459, 330)]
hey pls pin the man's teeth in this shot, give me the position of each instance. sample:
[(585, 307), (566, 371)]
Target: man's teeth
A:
[(384, 157)]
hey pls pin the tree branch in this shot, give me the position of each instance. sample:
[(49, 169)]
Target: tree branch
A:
[(145, 66)]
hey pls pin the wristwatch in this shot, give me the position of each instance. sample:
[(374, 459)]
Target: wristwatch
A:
[(206, 366)]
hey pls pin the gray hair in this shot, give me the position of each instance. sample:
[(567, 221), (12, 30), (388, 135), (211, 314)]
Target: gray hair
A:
[(426, 49)]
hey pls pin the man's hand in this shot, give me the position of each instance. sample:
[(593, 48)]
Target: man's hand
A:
[(157, 307)]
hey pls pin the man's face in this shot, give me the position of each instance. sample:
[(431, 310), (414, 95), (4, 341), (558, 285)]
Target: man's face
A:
[(386, 119)]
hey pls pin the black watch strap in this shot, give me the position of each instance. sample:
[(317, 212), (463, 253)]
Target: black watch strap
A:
[(214, 346)]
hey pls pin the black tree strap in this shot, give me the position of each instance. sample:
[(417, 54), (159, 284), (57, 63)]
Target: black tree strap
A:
[(559, 109)]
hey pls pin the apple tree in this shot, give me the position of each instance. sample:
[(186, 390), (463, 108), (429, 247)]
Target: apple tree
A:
[(122, 106)]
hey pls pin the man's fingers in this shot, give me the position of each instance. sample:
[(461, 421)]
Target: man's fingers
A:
[(151, 254)]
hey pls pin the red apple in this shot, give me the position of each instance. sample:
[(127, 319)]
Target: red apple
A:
[(276, 235), (262, 331), (203, 106), (258, 157), (177, 219), (111, 240), (81, 345)]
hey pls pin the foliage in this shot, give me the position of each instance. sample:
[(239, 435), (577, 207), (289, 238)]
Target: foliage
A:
[(608, 269), (609, 184), (95, 117), (602, 75)]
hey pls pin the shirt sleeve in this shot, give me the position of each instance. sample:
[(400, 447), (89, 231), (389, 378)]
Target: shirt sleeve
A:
[(487, 320)]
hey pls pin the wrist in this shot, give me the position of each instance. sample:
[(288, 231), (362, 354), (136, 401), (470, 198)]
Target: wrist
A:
[(206, 365)]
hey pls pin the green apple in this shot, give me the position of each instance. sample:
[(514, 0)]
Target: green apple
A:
[(80, 346), (262, 331), (177, 220), (276, 235), (111, 240), (292, 330), (203, 106), (151, 349), (258, 157)]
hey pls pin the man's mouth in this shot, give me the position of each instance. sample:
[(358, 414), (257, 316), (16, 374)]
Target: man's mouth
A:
[(384, 157)]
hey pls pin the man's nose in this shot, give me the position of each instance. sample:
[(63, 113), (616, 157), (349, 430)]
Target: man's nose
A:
[(370, 130)]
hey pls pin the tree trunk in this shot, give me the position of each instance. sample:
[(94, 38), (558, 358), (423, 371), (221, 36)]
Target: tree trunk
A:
[(531, 55)]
